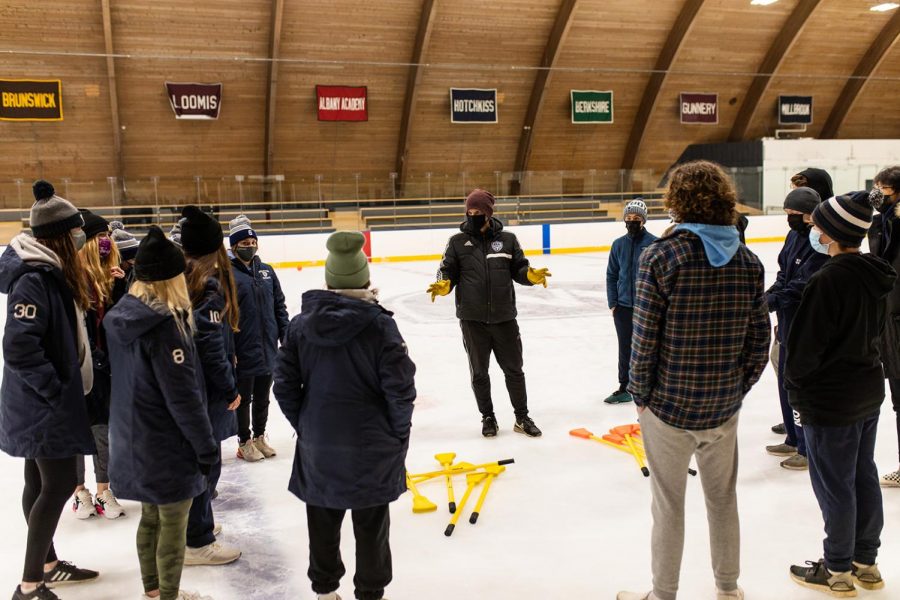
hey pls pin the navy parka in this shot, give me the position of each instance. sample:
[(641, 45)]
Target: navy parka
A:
[(215, 348), (797, 262), (264, 317), (345, 382), (621, 271)]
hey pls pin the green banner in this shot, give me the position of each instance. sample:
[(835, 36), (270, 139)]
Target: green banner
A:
[(592, 107)]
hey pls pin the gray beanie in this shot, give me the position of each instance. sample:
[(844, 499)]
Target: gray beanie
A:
[(240, 228), (803, 199), (52, 216), (636, 207), (346, 267), (125, 242)]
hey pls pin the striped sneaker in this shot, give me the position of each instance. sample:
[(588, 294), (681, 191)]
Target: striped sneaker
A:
[(891, 479), (42, 592), (65, 572)]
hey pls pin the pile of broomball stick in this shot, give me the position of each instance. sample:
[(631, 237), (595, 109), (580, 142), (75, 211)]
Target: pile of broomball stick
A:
[(475, 476), (626, 438)]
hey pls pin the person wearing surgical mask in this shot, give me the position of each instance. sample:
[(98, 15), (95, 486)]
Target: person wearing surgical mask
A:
[(263, 323), (797, 262), (621, 273), (884, 242)]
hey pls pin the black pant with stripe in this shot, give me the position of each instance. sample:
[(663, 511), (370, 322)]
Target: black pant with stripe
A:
[(504, 341)]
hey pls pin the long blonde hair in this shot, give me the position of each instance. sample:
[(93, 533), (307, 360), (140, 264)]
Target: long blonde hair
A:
[(99, 276), (168, 296), (216, 264)]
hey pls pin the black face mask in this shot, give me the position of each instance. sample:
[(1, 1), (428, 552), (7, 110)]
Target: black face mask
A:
[(476, 222), (245, 253), (633, 227), (796, 223)]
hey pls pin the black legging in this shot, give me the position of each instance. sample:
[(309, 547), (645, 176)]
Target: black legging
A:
[(49, 482)]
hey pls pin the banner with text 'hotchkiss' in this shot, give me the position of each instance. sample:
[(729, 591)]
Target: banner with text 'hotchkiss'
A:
[(469, 105)]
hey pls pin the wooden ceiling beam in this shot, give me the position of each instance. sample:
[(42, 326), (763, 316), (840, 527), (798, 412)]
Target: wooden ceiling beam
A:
[(113, 94)]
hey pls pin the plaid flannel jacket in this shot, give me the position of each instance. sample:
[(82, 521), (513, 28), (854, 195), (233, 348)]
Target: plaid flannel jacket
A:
[(701, 334)]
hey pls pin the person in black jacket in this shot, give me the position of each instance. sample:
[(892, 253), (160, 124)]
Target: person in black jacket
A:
[(481, 263), (127, 246), (797, 262), (835, 381), (884, 242), (47, 372), (263, 322), (345, 382), (158, 402), (211, 285)]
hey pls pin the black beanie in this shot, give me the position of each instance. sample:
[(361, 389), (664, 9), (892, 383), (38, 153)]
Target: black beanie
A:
[(200, 233), (803, 199), (157, 258), (94, 224)]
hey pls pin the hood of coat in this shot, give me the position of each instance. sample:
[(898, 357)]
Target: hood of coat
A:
[(130, 318), (331, 318), (819, 180), (24, 254), (876, 274), (496, 227), (721, 242)]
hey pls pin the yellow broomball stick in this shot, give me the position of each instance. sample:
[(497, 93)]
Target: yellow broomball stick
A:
[(584, 433), (458, 469), (637, 455), (472, 480), (446, 460), (421, 504), (492, 474)]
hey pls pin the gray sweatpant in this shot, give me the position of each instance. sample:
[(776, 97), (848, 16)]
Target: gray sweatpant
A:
[(101, 459), (669, 452)]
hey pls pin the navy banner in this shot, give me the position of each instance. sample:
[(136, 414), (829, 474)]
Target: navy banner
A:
[(795, 110), (473, 106)]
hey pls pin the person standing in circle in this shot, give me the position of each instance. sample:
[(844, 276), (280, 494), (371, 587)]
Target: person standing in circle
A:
[(621, 273), (264, 321), (47, 372)]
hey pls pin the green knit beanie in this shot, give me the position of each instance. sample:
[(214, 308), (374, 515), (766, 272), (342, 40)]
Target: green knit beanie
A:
[(346, 267)]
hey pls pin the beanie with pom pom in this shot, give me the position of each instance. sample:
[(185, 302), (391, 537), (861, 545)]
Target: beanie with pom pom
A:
[(52, 216)]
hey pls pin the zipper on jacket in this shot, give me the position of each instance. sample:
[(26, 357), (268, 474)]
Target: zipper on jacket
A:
[(487, 272), (262, 327)]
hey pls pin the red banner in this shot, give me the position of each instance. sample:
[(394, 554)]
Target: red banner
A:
[(699, 108), (342, 103)]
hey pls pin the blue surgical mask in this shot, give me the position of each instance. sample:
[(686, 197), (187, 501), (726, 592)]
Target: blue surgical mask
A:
[(815, 240)]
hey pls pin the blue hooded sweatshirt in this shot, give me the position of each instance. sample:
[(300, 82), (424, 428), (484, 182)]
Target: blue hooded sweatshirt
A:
[(721, 242)]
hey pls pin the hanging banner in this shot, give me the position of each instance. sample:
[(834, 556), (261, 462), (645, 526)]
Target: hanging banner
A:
[(793, 110), (342, 103), (473, 105), (590, 106), (31, 100), (699, 108), (195, 100)]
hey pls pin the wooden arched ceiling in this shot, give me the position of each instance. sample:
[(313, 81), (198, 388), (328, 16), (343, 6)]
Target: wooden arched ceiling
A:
[(875, 113)]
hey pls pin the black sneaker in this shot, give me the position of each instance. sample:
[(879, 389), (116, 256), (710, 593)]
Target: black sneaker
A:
[(817, 577), (65, 572), (779, 429), (489, 426), (527, 427), (41, 593)]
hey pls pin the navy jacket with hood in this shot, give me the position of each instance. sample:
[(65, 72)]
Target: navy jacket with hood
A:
[(622, 269), (159, 431), (797, 262), (264, 317), (215, 347), (46, 366), (345, 382)]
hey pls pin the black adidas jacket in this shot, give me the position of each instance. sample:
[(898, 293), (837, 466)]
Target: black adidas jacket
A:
[(482, 269)]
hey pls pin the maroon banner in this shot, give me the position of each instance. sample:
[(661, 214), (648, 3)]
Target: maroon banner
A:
[(699, 108), (195, 100), (342, 103)]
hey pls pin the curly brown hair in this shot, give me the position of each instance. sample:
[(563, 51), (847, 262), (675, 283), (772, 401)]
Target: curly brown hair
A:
[(701, 192)]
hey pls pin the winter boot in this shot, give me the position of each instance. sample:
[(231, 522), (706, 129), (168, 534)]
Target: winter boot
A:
[(797, 462), (108, 506), (779, 429), (891, 479), (489, 426), (817, 577), (527, 426), (263, 446), (781, 450), (249, 452), (620, 396), (65, 572), (42, 592), (83, 507), (868, 577), (211, 554)]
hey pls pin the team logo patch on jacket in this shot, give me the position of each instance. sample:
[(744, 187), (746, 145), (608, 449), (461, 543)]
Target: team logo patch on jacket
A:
[(264, 274), (497, 246)]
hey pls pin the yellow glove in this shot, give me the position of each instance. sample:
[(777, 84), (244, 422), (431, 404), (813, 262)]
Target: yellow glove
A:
[(439, 288), (538, 276)]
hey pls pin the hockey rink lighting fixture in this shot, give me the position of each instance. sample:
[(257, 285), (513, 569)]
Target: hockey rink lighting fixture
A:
[(885, 7), (762, 2)]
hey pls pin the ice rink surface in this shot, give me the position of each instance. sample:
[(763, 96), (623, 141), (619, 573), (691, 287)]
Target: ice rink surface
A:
[(570, 519)]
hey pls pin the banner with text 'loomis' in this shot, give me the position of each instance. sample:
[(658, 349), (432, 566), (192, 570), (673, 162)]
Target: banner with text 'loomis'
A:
[(195, 100)]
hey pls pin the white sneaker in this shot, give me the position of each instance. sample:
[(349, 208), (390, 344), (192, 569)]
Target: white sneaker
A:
[(211, 554), (84, 505), (736, 594), (108, 506), (635, 596), (217, 529), (185, 595), (331, 596), (249, 452), (263, 446), (891, 479)]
